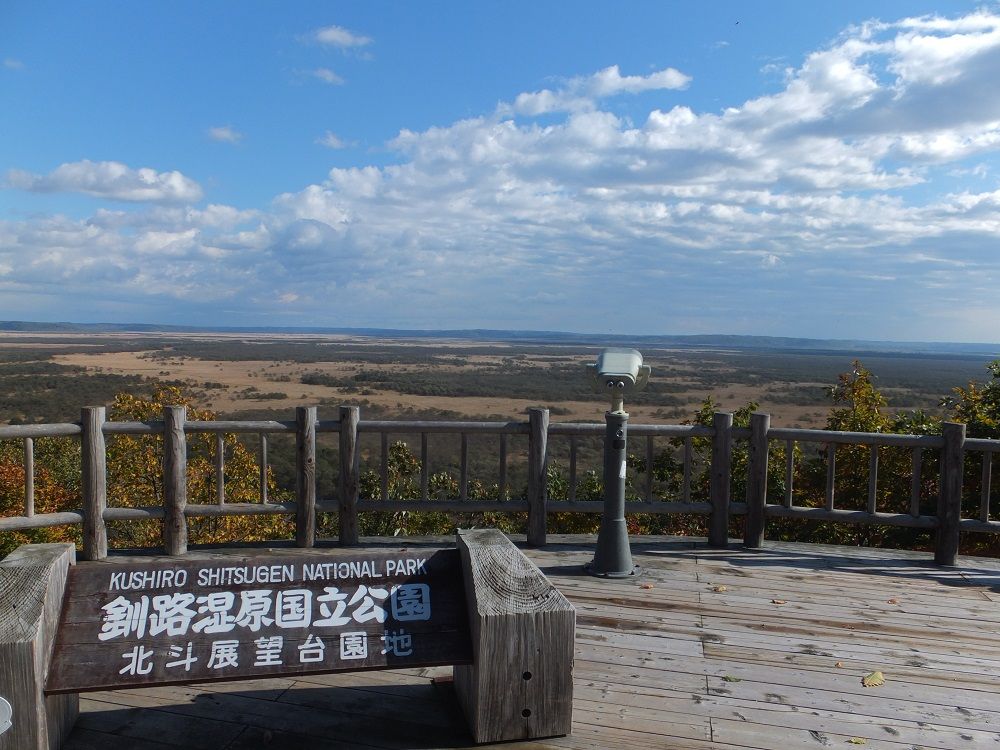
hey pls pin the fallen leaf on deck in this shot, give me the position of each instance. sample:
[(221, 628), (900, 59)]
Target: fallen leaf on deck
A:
[(858, 741), (730, 678), (720, 589), (646, 586), (839, 664), (778, 601), (894, 600), (873, 680)]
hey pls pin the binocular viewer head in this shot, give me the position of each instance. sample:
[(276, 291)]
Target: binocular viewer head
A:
[(619, 370)]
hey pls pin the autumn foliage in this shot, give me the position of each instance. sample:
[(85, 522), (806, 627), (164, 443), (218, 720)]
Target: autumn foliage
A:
[(134, 467), (135, 479)]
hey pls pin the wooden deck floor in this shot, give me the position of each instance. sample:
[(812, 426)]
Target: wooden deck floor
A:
[(707, 649)]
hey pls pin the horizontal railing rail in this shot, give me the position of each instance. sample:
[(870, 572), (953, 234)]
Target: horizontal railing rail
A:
[(721, 438)]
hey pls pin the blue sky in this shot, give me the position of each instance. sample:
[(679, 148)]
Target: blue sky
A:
[(778, 168)]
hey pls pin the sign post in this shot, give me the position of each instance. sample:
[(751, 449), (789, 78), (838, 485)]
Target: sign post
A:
[(483, 608), (227, 618)]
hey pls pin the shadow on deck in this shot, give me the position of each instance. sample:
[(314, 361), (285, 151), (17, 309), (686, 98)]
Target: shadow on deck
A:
[(707, 649)]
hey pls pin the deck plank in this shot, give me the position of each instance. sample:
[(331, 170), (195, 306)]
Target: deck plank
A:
[(667, 660)]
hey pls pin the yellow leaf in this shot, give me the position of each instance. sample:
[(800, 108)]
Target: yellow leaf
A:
[(646, 586), (778, 601), (874, 679), (720, 589), (839, 664), (858, 741), (730, 678)]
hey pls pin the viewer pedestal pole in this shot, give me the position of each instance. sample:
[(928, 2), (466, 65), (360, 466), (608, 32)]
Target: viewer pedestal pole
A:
[(613, 558)]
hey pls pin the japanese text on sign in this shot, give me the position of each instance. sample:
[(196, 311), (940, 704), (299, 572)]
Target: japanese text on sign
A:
[(225, 617)]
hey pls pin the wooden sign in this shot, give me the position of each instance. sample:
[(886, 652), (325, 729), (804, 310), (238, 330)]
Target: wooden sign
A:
[(226, 618)]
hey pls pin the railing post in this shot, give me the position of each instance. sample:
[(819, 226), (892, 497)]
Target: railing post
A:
[(753, 536), (538, 421), (220, 469), (949, 509), (350, 470), (95, 483), (718, 490), (305, 476), (262, 465), (175, 536), (29, 477)]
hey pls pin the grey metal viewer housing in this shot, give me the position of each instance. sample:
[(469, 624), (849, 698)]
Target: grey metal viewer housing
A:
[(620, 369)]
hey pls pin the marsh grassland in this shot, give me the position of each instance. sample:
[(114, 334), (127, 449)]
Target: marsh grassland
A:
[(51, 376)]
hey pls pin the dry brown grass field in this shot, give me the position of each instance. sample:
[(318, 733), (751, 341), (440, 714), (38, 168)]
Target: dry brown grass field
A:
[(233, 373), (269, 377)]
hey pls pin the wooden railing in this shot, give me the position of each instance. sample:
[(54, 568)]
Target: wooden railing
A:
[(93, 429)]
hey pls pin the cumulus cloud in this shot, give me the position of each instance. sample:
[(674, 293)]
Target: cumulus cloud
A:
[(810, 170), (583, 92), (610, 81), (225, 134), (935, 50), (502, 219), (110, 179), (339, 37)]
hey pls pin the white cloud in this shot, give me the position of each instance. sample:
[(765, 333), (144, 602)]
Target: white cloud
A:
[(980, 170), (610, 81), (213, 216), (583, 92), (544, 101), (327, 76), (934, 50), (817, 194), (110, 179), (331, 140), (166, 243), (338, 36), (12, 64), (225, 134), (802, 173)]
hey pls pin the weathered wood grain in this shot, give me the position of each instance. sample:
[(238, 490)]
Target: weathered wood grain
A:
[(305, 476), (757, 481), (719, 481), (94, 475), (162, 623), (721, 507), (678, 665), (520, 685), (29, 479), (350, 474), (537, 475), (32, 580), (175, 532), (949, 510)]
